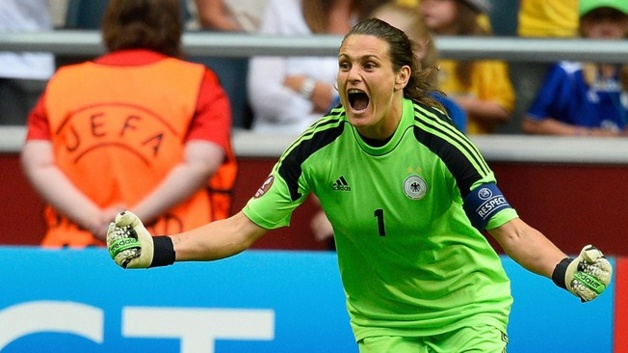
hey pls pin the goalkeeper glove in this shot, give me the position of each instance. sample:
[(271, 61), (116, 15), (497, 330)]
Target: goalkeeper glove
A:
[(586, 276), (131, 246)]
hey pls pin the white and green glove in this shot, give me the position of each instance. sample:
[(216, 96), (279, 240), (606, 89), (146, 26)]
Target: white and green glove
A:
[(586, 276), (131, 245)]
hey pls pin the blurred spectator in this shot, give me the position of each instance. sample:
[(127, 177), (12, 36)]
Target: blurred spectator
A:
[(539, 19), (542, 18), (407, 3), (225, 15), (483, 18), (481, 87), (23, 76), (138, 128), (413, 24), (228, 16), (287, 94), (589, 99)]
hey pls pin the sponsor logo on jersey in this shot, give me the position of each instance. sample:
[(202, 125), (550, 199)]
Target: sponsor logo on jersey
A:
[(265, 187), (415, 187), (341, 185)]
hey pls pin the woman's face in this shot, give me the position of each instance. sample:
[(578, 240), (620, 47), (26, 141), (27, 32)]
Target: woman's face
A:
[(440, 15), (604, 23), (369, 88)]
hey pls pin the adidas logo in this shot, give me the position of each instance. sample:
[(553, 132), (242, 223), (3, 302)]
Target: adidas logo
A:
[(341, 185)]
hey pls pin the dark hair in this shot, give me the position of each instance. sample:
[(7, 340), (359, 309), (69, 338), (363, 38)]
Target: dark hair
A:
[(401, 53), (147, 24)]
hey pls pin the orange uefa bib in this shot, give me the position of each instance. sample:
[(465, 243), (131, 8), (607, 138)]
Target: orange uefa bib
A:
[(117, 131)]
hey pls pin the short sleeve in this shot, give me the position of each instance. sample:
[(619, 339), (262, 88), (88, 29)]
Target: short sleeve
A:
[(212, 117)]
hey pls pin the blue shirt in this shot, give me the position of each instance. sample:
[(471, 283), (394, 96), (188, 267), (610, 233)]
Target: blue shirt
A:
[(565, 96), (455, 112)]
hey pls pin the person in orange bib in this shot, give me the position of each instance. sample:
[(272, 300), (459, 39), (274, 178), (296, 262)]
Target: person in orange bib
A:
[(140, 107)]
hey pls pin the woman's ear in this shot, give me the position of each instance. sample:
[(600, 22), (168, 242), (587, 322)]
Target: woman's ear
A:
[(402, 78)]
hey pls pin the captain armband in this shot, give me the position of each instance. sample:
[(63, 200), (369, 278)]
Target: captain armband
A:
[(482, 203)]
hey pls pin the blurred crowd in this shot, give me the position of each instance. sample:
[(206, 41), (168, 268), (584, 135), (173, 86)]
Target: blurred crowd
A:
[(492, 95), (278, 95)]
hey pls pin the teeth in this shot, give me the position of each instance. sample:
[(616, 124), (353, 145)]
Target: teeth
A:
[(355, 90)]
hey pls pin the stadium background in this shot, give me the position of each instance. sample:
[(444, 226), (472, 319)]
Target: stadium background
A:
[(573, 191)]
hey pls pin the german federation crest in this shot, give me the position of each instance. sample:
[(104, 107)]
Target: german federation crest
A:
[(415, 187)]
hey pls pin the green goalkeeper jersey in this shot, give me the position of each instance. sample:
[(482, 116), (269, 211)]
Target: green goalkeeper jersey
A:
[(411, 262)]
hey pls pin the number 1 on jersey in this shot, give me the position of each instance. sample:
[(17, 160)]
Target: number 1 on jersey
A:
[(379, 214)]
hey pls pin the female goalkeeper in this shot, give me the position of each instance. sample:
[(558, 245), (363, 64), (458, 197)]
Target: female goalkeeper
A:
[(408, 196)]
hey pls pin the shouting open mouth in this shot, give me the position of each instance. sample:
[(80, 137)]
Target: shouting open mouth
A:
[(358, 100)]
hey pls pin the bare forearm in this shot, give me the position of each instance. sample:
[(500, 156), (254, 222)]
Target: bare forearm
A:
[(488, 112), (57, 190), (38, 162), (528, 247), (179, 185), (217, 240), (551, 126), (214, 14), (322, 94)]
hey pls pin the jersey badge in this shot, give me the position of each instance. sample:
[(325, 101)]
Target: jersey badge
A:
[(415, 187), (341, 184), (265, 187)]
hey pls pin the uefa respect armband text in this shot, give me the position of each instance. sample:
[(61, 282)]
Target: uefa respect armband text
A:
[(482, 203)]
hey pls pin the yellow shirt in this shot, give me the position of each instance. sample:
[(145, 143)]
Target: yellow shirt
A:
[(543, 18), (490, 81), (408, 3)]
